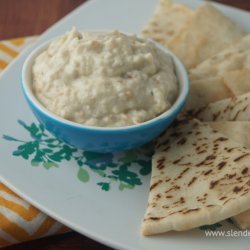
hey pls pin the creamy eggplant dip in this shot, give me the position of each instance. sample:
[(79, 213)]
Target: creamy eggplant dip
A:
[(104, 79)]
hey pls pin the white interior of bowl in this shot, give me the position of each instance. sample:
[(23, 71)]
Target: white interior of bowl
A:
[(181, 73)]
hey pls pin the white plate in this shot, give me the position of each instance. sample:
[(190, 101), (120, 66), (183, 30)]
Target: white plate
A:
[(70, 193)]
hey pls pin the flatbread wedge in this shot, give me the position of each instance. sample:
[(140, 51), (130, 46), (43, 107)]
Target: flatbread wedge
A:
[(208, 32), (203, 92), (235, 57), (234, 130), (166, 21), (242, 220), (207, 90), (239, 132), (231, 109), (199, 177), (238, 81)]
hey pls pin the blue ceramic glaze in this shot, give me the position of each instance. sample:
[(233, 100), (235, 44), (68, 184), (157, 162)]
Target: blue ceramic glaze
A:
[(97, 138)]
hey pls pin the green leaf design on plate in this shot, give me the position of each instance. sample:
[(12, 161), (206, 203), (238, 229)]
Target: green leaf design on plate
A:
[(9, 138), (127, 176), (100, 172), (26, 149), (126, 169), (123, 186), (49, 164), (130, 156), (146, 167), (104, 185), (83, 175)]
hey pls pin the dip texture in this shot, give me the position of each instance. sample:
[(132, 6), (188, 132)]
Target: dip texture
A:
[(104, 79)]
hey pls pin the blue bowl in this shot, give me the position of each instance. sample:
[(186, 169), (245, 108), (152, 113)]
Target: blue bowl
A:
[(100, 139)]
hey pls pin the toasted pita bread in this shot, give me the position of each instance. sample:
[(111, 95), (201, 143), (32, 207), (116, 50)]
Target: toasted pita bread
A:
[(238, 81), (231, 109), (199, 177), (235, 57), (235, 130), (229, 84), (208, 32), (167, 19), (242, 220), (203, 92), (239, 132)]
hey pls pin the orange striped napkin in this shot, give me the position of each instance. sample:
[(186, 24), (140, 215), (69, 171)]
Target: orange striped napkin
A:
[(9, 49), (20, 221)]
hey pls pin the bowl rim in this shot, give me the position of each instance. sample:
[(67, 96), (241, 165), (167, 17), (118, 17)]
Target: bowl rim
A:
[(180, 100)]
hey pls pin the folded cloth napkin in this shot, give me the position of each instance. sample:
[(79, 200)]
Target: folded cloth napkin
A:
[(20, 221)]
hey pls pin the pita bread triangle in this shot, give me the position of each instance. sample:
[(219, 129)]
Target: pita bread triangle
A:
[(208, 32), (234, 57), (203, 92), (239, 132), (199, 177), (234, 130), (166, 21), (208, 90), (238, 81), (230, 109), (242, 220)]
